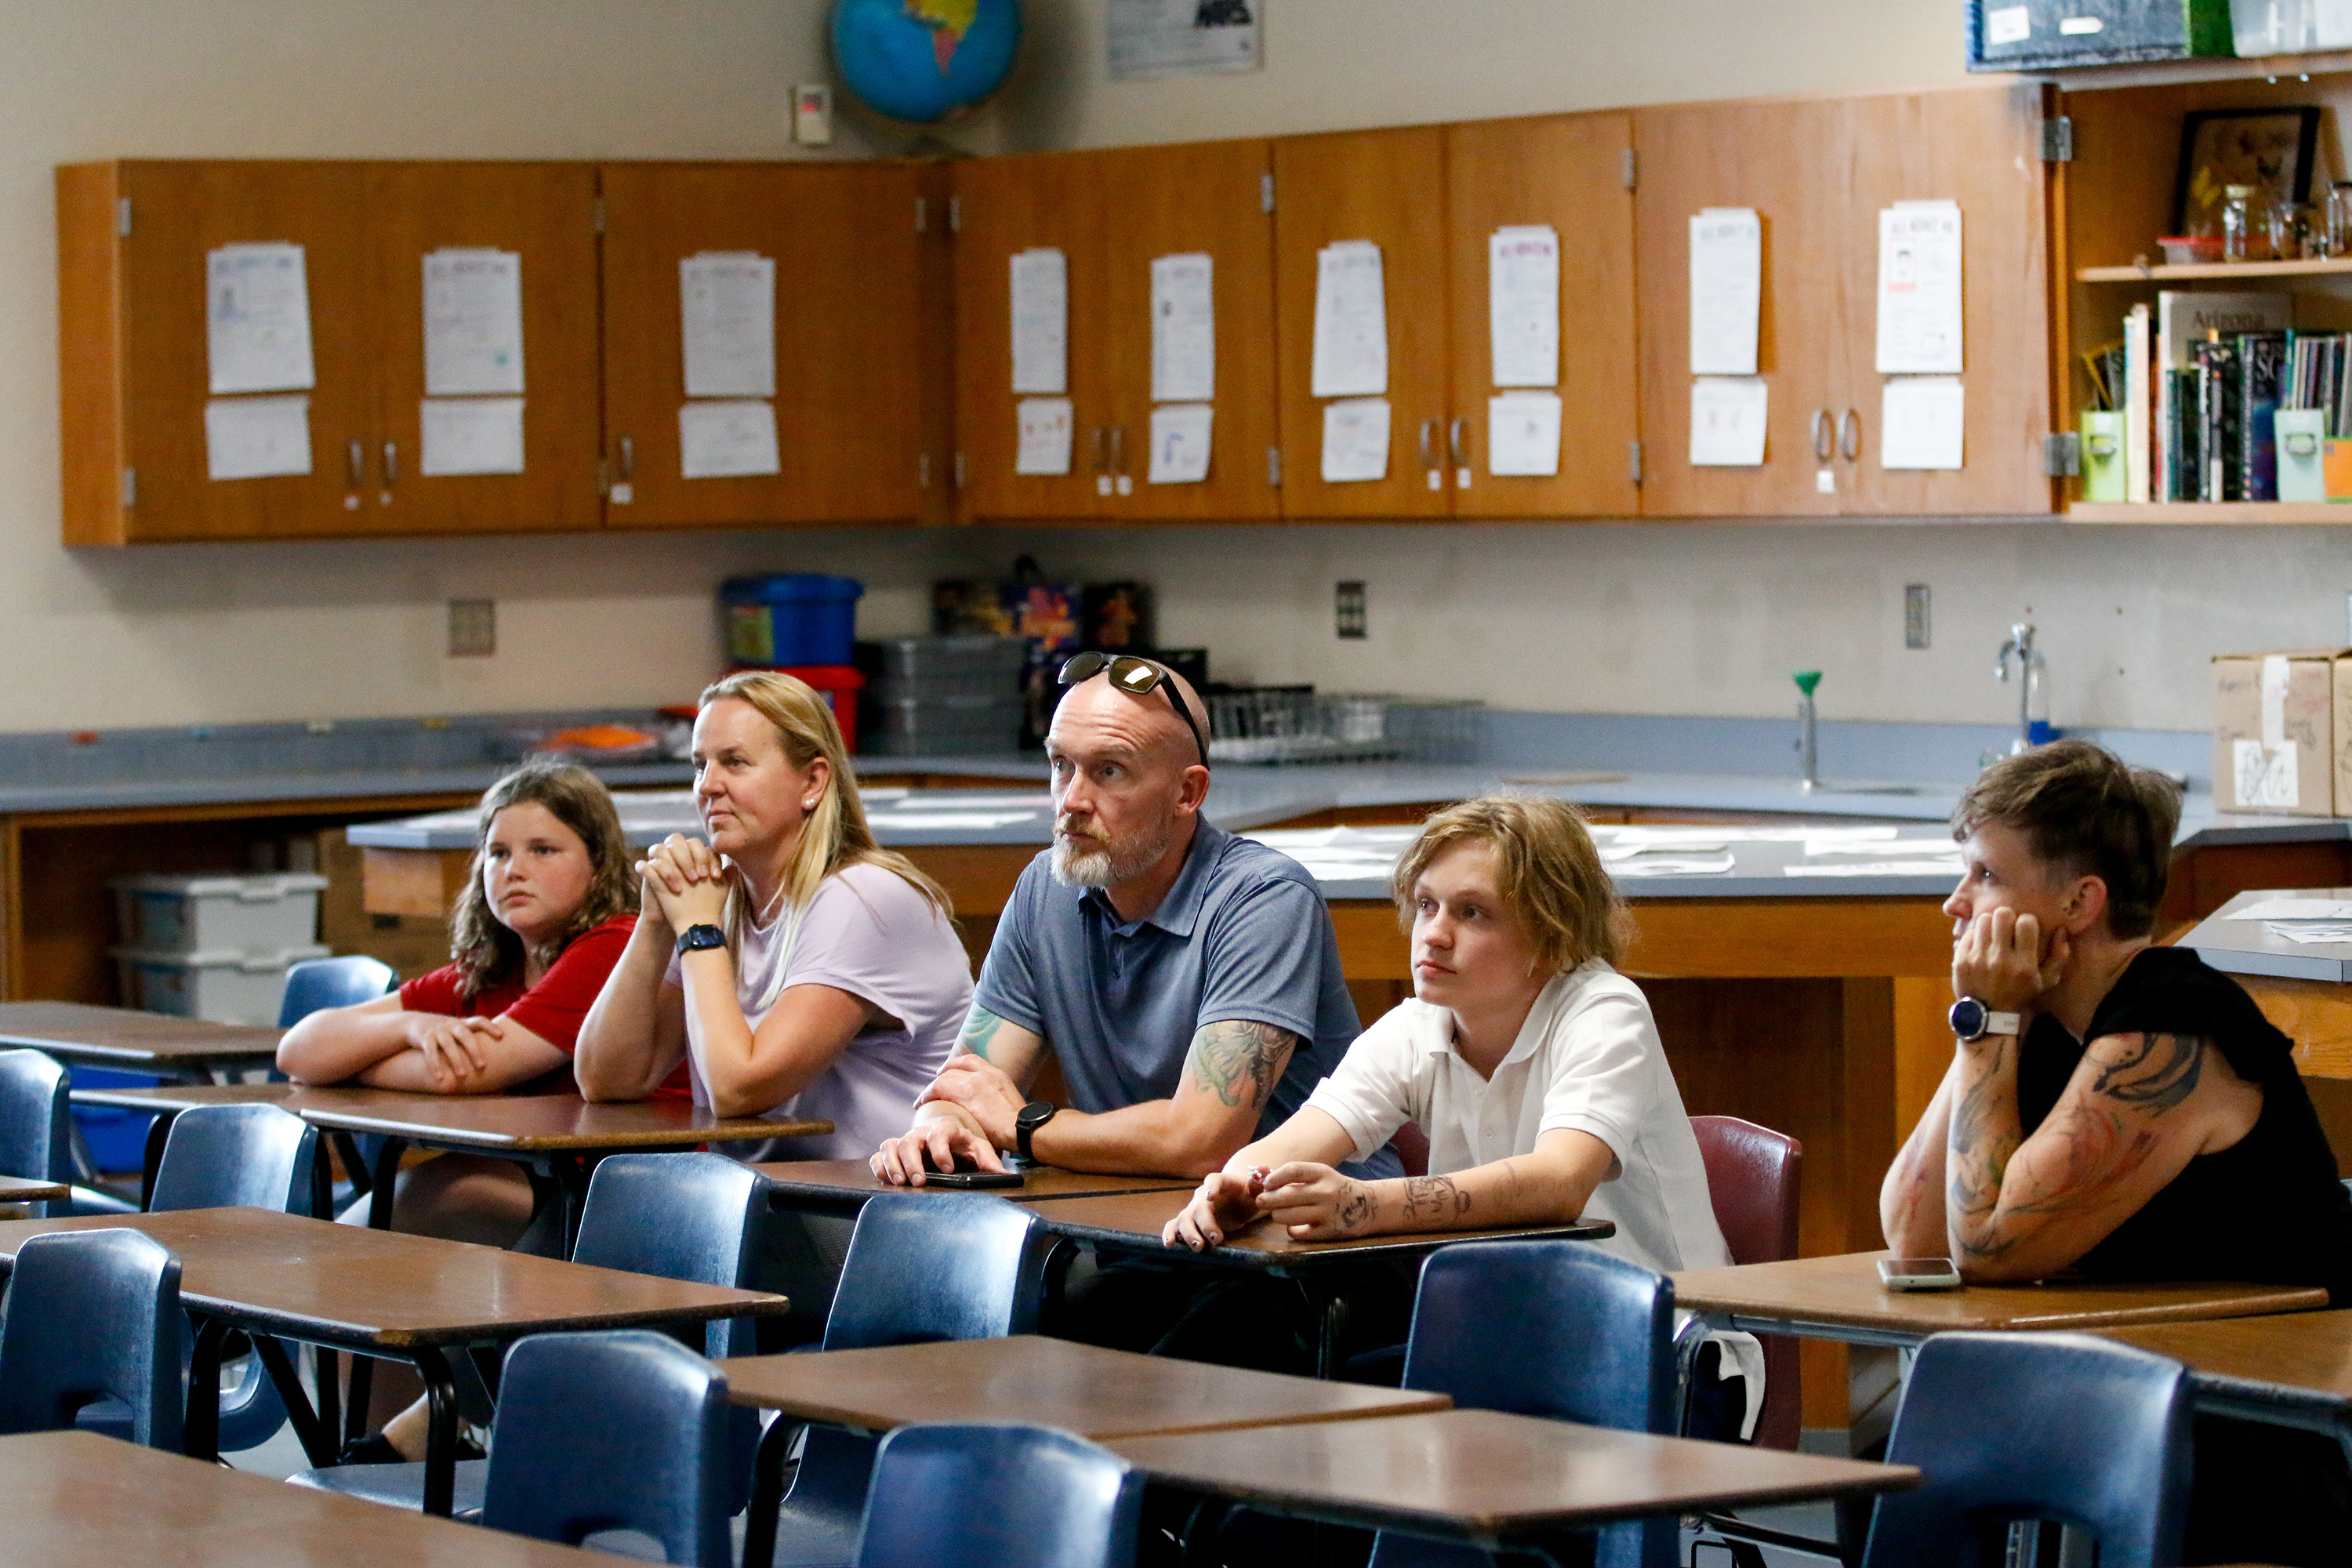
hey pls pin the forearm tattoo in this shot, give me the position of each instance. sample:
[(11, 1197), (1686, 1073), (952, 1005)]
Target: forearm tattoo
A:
[(1239, 1061), (1356, 1208), (1428, 1198), (979, 1029)]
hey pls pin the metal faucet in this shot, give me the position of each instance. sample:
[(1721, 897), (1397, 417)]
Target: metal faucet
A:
[(1809, 757), (2030, 664)]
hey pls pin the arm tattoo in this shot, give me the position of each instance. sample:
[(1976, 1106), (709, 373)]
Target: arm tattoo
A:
[(1433, 1198), (2159, 1073), (1239, 1061), (1356, 1208), (979, 1029)]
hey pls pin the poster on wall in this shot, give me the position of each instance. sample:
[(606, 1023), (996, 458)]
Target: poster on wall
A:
[(1183, 37)]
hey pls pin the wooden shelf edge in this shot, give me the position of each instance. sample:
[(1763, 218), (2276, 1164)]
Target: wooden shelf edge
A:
[(2203, 67), (2159, 273), (2211, 512)]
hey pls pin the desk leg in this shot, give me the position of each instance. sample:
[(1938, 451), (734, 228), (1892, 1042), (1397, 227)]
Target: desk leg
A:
[(327, 1371), (357, 1396), (441, 1430), (767, 1493), (1330, 1310), (317, 1435), (201, 1434), (384, 1181), (574, 1173), (1198, 1541)]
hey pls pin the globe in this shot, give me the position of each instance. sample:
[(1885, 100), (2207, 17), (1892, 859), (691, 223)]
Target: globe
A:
[(924, 61)]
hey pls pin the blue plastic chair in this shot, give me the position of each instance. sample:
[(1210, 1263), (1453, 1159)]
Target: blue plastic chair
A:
[(344, 981), (998, 1497), (2055, 1427), (1591, 1340), (93, 1315), (232, 1156), (624, 1430), (36, 1116), (922, 1267), (696, 1217)]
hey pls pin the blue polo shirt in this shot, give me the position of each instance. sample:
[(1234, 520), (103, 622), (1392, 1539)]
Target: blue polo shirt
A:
[(1243, 934)]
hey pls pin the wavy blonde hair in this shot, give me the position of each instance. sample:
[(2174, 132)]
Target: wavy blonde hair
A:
[(484, 950), (1545, 869), (835, 834)]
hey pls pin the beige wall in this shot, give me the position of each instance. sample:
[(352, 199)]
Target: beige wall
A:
[(1678, 619)]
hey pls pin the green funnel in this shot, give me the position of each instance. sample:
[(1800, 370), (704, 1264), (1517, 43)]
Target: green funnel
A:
[(1807, 679)]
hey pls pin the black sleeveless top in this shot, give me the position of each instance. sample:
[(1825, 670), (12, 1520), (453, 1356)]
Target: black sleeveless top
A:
[(2268, 1209)]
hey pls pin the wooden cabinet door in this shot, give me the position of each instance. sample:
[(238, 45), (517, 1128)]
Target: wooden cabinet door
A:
[(1004, 207), (1566, 171), (546, 214), (1166, 201), (850, 313), (1981, 147), (1387, 186), (1786, 160), (134, 363)]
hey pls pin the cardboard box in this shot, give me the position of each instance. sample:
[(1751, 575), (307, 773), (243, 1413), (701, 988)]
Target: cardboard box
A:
[(2283, 732)]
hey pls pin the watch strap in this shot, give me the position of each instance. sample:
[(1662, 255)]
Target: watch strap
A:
[(1032, 1116), (700, 939), (2003, 1023)]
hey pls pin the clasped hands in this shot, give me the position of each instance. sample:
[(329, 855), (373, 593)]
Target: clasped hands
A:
[(1312, 1201), (2002, 960), (686, 880), (981, 1104), (453, 1049)]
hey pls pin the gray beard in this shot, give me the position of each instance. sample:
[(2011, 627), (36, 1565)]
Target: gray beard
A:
[(1106, 864)]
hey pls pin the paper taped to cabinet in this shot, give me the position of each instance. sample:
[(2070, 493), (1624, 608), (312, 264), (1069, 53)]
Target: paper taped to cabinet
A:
[(1726, 290), (1351, 321), (469, 436), (472, 322), (1921, 421), (731, 440), (1727, 428), (1179, 443), (1046, 428), (1355, 440), (727, 317), (1919, 288), (1040, 321), (258, 320), (1183, 328), (256, 438), (1523, 304), (1523, 435)]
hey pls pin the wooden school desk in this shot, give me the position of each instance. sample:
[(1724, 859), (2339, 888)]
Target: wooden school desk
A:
[(79, 1500), (416, 1298), (842, 1186), (189, 1049), (2294, 1370), (1097, 1394), (1132, 1223), (1495, 1481), (28, 1190)]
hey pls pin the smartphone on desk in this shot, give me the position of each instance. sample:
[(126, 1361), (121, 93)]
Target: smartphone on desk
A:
[(1918, 1274), (968, 1174)]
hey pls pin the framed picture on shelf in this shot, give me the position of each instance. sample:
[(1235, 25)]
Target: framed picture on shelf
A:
[(2272, 150)]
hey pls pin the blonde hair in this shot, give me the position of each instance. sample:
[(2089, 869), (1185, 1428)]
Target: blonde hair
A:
[(835, 834), (487, 951), (1546, 871)]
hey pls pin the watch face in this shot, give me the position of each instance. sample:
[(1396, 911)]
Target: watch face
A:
[(1969, 1016)]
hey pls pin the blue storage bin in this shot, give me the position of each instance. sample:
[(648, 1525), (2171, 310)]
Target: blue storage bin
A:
[(116, 1139), (790, 618)]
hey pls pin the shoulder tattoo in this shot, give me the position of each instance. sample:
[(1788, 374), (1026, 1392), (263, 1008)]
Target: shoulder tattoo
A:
[(1239, 1061), (979, 1029), (2153, 1073)]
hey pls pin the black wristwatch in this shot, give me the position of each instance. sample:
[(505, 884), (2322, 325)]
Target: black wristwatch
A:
[(1034, 1115), (700, 939), (1972, 1020)]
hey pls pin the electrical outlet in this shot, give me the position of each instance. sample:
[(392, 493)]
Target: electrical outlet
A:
[(1917, 626), (812, 114), (1349, 619), (472, 628)]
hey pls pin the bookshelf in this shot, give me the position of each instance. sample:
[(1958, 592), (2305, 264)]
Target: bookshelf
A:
[(2213, 513), (2215, 270)]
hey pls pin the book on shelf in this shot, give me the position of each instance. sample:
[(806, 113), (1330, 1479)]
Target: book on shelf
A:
[(2136, 396), (2185, 321), (2260, 361)]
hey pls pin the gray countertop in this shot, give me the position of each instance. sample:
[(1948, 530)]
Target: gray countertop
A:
[(2243, 946)]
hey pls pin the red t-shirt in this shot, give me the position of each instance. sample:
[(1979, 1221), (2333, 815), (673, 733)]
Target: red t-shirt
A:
[(552, 1009)]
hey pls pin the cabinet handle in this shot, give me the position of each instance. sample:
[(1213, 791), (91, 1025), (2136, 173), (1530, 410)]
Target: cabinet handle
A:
[(391, 464), (1118, 448), (1101, 465), (356, 463), (628, 459), (1453, 443), (1824, 438), (1428, 443), (1849, 435)]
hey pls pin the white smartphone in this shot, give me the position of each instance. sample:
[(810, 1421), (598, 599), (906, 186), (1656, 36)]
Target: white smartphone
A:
[(1918, 1274)]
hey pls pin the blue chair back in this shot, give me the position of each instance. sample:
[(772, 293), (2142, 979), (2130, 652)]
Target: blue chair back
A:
[(2063, 1428), (238, 1156), (344, 981), (1591, 1341), (36, 1116), (93, 1315), (698, 1217), (938, 1265), (998, 1497), (622, 1430)]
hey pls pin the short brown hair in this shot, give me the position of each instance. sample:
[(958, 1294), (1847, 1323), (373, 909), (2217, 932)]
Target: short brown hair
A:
[(2085, 811), (1546, 867), (485, 951)]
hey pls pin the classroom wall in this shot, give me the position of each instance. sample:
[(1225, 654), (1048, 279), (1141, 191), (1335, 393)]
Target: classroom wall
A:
[(1677, 619)]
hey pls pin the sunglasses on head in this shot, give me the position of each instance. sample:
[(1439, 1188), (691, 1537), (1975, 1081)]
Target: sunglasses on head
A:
[(1135, 676)]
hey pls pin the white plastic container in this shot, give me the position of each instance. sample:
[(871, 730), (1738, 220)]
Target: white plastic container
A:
[(263, 912), (222, 987)]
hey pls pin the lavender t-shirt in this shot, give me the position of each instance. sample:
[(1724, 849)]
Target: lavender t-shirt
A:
[(868, 933)]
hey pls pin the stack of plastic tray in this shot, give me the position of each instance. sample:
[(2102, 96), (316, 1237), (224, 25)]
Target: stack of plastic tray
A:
[(943, 697), (216, 946), (1297, 724)]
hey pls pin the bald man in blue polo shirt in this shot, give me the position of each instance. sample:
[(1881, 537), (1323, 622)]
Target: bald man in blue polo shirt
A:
[(1186, 981)]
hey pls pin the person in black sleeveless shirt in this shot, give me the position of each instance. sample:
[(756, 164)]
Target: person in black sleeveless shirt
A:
[(2122, 1111)]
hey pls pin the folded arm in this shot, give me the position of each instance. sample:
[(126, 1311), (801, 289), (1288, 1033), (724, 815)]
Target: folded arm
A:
[(635, 1035), (379, 1043), (1230, 1071), (746, 1071), (1002, 1059)]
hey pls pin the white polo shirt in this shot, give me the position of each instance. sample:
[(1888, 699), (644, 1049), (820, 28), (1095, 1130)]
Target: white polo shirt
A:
[(1588, 1057)]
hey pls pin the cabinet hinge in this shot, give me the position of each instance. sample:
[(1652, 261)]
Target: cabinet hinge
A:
[(959, 471), (922, 470), (1633, 461), (1265, 192), (2062, 454), (130, 489), (600, 214), (2058, 140), (1628, 168), (604, 478), (1274, 467), (922, 214), (123, 217), (955, 215)]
